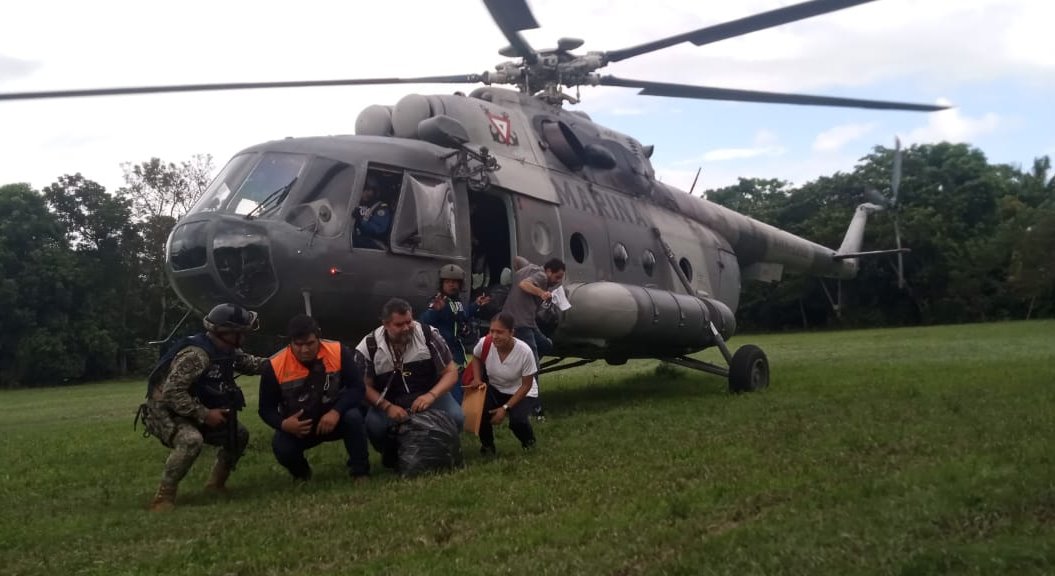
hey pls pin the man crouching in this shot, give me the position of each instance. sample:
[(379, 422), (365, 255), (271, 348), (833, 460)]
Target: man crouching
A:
[(310, 393), (406, 368)]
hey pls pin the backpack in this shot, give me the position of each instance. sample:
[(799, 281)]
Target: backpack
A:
[(467, 374)]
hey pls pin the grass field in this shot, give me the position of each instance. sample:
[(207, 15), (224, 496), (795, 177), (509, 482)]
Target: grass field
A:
[(909, 451)]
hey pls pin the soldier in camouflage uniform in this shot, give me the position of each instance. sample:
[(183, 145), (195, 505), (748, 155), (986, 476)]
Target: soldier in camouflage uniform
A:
[(189, 395)]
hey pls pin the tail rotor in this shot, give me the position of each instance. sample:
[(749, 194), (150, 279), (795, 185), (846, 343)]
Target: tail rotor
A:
[(891, 204)]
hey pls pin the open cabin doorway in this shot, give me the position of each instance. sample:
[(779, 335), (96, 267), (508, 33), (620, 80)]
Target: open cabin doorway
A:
[(490, 217)]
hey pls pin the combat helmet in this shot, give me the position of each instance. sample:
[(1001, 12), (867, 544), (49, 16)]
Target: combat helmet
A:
[(230, 318), (452, 272)]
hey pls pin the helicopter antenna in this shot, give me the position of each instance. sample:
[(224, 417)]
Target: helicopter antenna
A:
[(695, 179)]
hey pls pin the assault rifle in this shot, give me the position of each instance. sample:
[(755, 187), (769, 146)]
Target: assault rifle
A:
[(235, 402)]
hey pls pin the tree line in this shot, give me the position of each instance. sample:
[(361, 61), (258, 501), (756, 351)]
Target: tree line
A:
[(981, 235), (83, 289)]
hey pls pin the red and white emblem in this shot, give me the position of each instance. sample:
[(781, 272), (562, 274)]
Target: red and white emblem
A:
[(502, 129)]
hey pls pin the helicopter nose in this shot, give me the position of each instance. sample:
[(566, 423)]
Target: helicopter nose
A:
[(221, 259)]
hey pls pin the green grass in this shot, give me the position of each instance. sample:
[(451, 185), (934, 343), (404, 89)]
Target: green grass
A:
[(908, 451)]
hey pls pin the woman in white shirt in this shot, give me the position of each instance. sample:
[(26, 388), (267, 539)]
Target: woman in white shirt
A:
[(512, 390)]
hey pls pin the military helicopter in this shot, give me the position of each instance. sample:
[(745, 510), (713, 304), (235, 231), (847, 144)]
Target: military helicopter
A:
[(478, 179)]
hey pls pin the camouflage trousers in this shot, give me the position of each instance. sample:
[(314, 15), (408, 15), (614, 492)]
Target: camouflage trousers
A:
[(186, 439)]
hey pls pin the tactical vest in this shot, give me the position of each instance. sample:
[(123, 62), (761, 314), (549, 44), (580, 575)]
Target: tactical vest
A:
[(215, 387), (402, 387), (315, 391)]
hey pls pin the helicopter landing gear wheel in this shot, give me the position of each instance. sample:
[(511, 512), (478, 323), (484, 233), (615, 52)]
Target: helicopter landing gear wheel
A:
[(748, 370)]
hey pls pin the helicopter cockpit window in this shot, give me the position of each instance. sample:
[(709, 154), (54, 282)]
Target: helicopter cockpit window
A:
[(266, 187), (372, 220), (425, 216), (215, 197), (321, 205)]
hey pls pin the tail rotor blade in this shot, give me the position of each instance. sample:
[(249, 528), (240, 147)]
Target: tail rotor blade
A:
[(900, 264), (875, 197), (895, 178)]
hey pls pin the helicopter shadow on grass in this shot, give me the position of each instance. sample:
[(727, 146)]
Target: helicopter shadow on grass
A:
[(603, 394)]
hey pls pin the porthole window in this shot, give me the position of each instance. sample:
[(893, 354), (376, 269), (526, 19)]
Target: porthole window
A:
[(686, 267), (580, 250), (648, 260), (620, 256)]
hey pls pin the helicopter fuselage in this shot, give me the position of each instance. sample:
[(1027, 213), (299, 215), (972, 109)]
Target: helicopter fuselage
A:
[(649, 267)]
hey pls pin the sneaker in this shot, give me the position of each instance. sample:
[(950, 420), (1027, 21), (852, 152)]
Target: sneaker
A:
[(487, 451), (539, 414)]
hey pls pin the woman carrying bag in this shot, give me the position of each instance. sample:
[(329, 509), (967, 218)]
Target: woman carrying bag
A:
[(511, 387)]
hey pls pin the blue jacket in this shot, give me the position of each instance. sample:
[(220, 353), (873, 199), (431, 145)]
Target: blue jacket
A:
[(373, 222), (453, 322)]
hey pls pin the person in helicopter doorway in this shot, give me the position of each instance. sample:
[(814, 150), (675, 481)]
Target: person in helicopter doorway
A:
[(454, 321), (190, 394), (373, 217), (310, 393), (532, 285)]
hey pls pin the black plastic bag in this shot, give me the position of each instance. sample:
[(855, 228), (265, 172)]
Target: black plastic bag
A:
[(429, 441), (547, 317)]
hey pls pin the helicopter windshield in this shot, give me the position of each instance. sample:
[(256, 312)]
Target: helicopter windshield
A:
[(272, 171)]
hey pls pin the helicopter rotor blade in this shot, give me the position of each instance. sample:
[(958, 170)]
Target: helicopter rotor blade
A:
[(895, 177), (739, 27), (900, 265), (454, 79), (512, 16), (875, 197), (736, 95)]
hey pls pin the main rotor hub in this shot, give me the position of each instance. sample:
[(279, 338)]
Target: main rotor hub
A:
[(551, 71)]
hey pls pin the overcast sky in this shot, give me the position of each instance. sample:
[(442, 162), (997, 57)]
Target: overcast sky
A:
[(993, 59)]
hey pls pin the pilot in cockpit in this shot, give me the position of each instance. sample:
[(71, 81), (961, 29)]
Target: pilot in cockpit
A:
[(373, 218)]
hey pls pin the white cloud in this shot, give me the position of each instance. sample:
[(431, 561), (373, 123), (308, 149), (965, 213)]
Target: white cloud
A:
[(766, 143), (950, 125), (837, 137), (723, 154), (794, 170), (765, 138)]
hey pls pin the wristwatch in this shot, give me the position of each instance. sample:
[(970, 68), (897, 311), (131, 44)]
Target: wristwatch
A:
[(505, 407)]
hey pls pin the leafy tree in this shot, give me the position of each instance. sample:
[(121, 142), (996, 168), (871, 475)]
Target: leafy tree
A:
[(1033, 262), (160, 194), (106, 245), (964, 219), (165, 189), (38, 283)]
